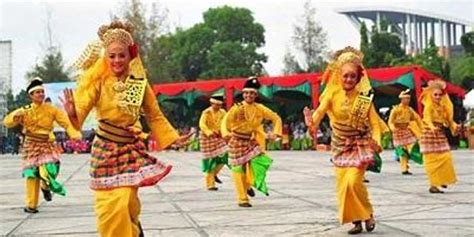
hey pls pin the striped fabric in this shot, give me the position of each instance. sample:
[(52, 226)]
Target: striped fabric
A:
[(212, 146), (124, 164), (403, 137), (351, 147), (242, 149), (36, 153), (433, 141)]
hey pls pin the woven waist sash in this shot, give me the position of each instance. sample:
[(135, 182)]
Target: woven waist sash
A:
[(115, 133)]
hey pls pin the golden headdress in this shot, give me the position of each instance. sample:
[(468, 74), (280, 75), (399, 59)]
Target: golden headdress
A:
[(332, 78), (332, 75), (95, 68), (116, 31), (427, 100)]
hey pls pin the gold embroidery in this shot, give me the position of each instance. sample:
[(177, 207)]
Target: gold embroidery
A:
[(131, 98), (360, 111)]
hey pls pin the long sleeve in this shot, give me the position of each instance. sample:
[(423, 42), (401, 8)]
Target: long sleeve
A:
[(268, 114), (8, 120), (85, 101), (163, 132), (450, 122), (391, 119), (428, 117), (61, 118), (318, 115), (203, 123), (226, 122), (375, 127), (416, 118)]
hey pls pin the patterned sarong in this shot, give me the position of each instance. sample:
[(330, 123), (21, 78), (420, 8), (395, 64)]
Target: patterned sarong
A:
[(212, 146), (433, 141), (124, 164), (37, 153), (403, 137), (41, 160), (351, 147), (242, 149)]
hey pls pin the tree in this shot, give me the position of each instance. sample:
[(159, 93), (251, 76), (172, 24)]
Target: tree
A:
[(151, 33), (162, 67), (17, 101), (467, 42), (463, 66), (290, 64), (384, 48), (224, 45), (309, 40), (364, 38), (51, 68)]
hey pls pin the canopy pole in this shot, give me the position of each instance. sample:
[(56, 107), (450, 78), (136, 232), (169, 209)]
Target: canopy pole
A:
[(229, 96)]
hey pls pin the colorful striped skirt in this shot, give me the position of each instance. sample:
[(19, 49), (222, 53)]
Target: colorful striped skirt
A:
[(242, 149), (212, 146), (41, 160), (433, 141), (352, 148), (37, 153), (124, 165), (403, 137)]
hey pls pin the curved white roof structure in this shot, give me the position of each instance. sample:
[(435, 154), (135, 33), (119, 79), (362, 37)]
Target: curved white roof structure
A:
[(415, 27)]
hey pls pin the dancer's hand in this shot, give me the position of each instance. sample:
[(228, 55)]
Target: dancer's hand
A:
[(272, 137), (183, 140), (18, 117), (308, 113), (70, 107), (68, 102)]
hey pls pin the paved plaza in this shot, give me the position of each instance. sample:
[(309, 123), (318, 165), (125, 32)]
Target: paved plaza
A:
[(302, 201)]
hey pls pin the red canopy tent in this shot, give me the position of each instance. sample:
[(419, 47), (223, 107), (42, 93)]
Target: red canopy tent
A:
[(409, 76)]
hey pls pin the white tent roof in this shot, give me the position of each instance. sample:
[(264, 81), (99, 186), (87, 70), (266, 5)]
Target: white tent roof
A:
[(469, 100)]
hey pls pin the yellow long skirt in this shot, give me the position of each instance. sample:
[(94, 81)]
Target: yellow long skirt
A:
[(352, 195), (439, 168), (117, 212)]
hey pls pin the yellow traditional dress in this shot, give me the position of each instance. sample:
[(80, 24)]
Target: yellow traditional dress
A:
[(434, 144), (120, 164), (246, 146), (353, 150), (213, 146), (406, 126), (356, 136), (40, 159)]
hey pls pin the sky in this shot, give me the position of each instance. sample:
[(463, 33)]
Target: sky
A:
[(74, 23)]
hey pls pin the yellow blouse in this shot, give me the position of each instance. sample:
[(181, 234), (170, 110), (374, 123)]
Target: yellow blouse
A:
[(436, 113), (338, 107), (105, 100), (248, 118), (403, 115), (210, 120), (39, 119)]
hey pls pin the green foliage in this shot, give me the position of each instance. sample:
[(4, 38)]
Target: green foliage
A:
[(17, 101), (162, 67), (150, 34), (467, 42), (364, 39), (224, 45), (463, 71), (382, 50), (230, 58), (51, 68)]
